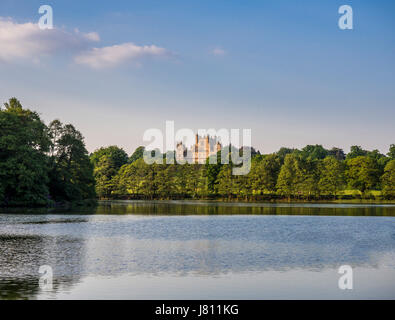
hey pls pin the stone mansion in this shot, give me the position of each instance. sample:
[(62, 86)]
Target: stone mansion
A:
[(203, 148)]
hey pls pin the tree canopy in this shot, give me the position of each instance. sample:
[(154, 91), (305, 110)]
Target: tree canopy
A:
[(40, 164), (24, 142), (311, 173), (71, 170)]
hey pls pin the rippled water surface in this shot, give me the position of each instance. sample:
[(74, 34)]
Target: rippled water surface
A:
[(182, 250)]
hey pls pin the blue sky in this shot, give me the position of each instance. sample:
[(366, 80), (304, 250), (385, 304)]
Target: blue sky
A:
[(281, 68)]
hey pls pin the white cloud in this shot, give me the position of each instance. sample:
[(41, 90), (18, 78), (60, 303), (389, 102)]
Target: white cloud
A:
[(115, 55), (92, 36), (218, 51), (28, 41)]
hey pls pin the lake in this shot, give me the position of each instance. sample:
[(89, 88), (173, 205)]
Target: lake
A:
[(199, 250)]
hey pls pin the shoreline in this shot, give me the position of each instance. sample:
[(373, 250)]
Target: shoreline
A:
[(92, 205)]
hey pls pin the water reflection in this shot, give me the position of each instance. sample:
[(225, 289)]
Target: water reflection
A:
[(142, 207), (223, 208), (22, 255), (127, 242)]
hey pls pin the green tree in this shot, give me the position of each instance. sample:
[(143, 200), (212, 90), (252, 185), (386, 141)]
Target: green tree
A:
[(362, 173), (375, 154), (195, 182), (117, 156), (288, 178), (264, 173), (104, 172), (212, 171), (356, 151), (281, 154), (308, 177), (107, 161), (226, 181), (337, 153), (127, 180), (391, 152), (388, 180), (71, 172), (314, 152), (331, 176), (298, 177), (24, 142), (137, 154)]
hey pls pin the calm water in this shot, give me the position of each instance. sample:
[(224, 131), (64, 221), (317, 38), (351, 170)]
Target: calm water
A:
[(190, 250)]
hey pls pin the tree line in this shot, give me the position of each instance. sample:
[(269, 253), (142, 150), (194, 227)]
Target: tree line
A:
[(41, 165), (310, 173), (44, 165)]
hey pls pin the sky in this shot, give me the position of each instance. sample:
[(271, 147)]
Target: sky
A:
[(282, 68)]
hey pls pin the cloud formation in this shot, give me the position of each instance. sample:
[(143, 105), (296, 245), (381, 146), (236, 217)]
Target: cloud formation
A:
[(28, 41), (115, 55), (218, 51)]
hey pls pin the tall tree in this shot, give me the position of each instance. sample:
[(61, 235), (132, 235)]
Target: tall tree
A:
[(283, 152), (196, 182), (104, 171), (264, 173), (356, 151), (71, 175), (107, 161), (117, 156), (362, 173), (212, 171), (337, 153), (288, 178), (388, 180), (331, 176), (165, 180), (314, 152), (226, 181), (308, 177), (24, 142), (127, 180), (137, 154), (391, 152)]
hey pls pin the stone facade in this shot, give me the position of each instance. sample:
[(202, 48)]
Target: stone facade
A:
[(203, 148)]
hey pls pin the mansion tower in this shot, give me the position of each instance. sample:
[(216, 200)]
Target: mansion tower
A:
[(203, 148)]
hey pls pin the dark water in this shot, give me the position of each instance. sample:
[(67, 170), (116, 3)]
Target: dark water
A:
[(181, 250)]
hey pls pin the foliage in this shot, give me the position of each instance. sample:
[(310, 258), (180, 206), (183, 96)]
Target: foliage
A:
[(104, 172), (331, 173), (40, 164), (71, 172), (337, 153), (137, 154), (388, 180), (391, 152), (283, 152), (117, 156), (289, 176), (313, 152), (264, 173), (362, 173), (303, 174), (24, 142), (107, 162), (356, 151)]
